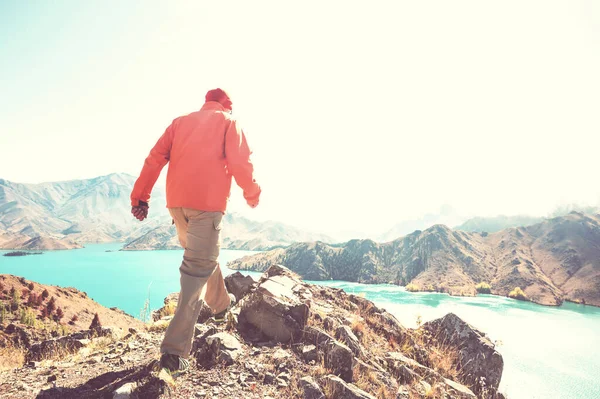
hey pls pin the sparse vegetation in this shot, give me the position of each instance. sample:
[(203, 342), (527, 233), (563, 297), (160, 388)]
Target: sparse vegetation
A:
[(412, 287), (73, 319), (27, 317), (518, 293), (483, 288), (11, 358)]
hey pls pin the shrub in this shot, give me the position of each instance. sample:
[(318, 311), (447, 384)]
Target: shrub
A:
[(3, 313), (51, 306), (483, 288), (27, 317), (430, 288), (11, 358), (412, 287), (518, 293), (58, 315), (15, 299), (30, 286), (96, 325), (73, 319), (45, 295)]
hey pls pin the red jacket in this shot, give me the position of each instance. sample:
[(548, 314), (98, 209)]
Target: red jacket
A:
[(206, 148)]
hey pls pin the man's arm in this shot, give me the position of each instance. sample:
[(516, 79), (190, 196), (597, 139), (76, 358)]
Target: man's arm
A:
[(158, 158), (239, 165)]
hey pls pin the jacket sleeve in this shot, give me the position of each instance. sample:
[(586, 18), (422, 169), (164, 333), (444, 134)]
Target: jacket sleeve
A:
[(237, 154), (158, 158)]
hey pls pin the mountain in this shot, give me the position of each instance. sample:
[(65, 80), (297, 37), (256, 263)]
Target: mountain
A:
[(343, 345), (446, 215), (98, 210), (39, 243), (494, 224), (238, 233), (557, 259), (90, 210)]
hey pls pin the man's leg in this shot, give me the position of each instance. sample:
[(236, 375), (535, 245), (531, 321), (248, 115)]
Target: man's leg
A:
[(197, 268)]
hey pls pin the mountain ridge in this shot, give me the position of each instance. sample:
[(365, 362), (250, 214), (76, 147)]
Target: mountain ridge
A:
[(97, 210), (555, 260)]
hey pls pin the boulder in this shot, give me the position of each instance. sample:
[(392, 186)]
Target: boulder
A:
[(239, 285), (480, 365), (339, 360), (310, 389), (345, 335), (278, 308), (338, 389)]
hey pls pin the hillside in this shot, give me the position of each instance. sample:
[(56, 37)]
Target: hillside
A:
[(555, 260), (283, 338)]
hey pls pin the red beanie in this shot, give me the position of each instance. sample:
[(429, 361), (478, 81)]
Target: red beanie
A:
[(218, 95)]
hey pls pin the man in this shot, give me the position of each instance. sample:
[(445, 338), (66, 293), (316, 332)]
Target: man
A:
[(205, 149)]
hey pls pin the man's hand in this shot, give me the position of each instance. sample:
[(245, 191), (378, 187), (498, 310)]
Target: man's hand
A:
[(140, 212), (253, 204)]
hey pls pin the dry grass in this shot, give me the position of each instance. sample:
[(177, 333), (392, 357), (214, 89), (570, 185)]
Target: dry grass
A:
[(11, 358), (168, 309), (159, 326), (358, 327)]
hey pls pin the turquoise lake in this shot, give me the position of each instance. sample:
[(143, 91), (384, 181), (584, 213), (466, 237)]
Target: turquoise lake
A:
[(549, 352)]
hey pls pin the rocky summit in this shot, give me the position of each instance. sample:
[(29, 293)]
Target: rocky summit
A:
[(283, 338), (547, 263)]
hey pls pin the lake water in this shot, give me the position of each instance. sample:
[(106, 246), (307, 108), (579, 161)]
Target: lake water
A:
[(548, 352)]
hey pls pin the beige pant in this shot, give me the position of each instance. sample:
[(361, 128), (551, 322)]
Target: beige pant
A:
[(201, 277)]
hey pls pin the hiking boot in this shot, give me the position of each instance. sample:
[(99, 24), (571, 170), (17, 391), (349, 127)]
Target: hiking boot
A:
[(221, 315), (174, 364)]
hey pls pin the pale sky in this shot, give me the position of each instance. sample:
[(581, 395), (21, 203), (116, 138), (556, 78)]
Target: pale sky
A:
[(360, 114)]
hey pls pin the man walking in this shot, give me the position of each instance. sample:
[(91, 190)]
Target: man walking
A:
[(205, 149)]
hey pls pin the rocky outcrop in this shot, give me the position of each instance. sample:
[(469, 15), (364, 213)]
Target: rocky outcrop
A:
[(277, 309), (314, 343), (552, 261), (480, 365)]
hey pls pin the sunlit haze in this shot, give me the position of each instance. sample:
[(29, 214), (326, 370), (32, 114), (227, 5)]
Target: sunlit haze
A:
[(360, 114)]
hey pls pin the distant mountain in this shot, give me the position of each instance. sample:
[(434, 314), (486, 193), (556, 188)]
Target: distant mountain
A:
[(555, 260), (39, 243), (494, 224), (238, 233), (446, 216), (98, 210)]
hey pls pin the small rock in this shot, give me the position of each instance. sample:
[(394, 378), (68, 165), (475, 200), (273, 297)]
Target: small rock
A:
[(310, 388), (310, 353), (340, 390), (269, 378), (124, 391), (281, 383), (52, 378), (201, 394), (281, 354)]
